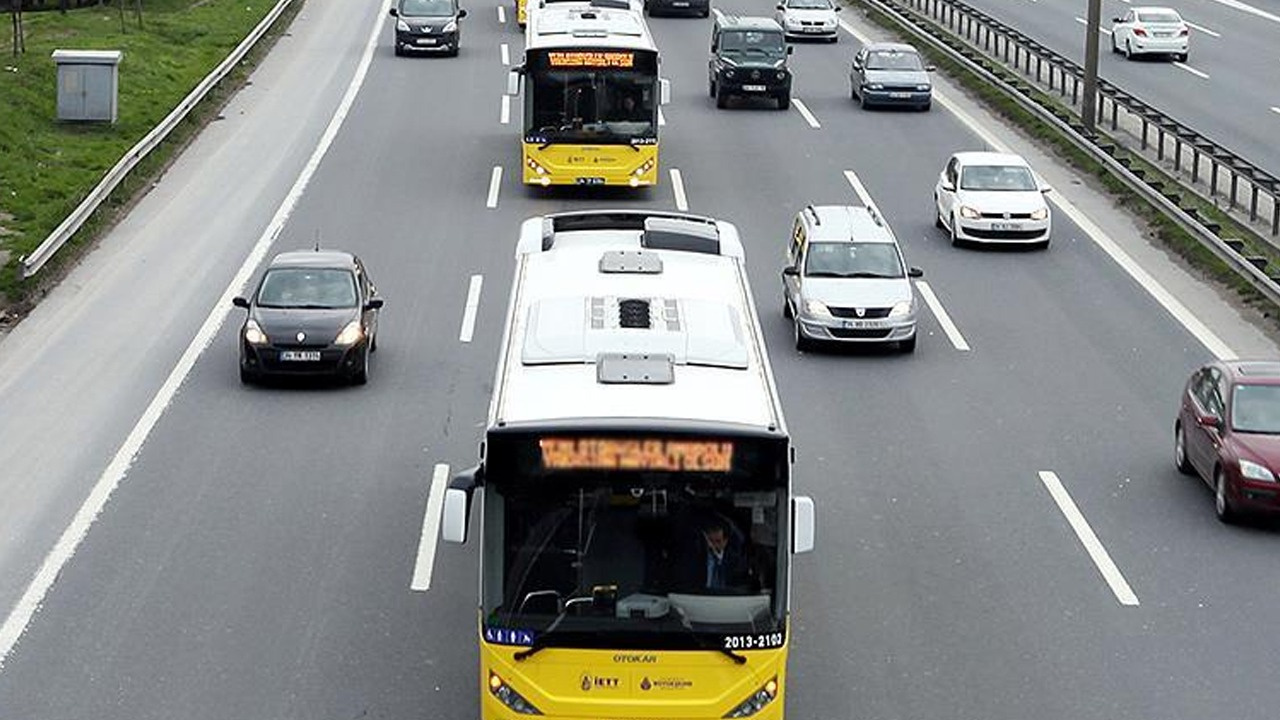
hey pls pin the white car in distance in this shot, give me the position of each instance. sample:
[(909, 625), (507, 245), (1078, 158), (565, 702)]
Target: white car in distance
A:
[(992, 198), (1150, 31), (808, 19)]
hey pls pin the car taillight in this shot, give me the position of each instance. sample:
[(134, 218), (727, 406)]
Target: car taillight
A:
[(1140, 32)]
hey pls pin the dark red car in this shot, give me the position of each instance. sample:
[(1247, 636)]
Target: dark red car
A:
[(1228, 431)]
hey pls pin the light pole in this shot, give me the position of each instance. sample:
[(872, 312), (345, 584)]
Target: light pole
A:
[(1089, 104)]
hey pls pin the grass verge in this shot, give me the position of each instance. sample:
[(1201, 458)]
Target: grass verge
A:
[(48, 167)]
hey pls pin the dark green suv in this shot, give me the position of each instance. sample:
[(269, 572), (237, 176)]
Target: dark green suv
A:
[(748, 58)]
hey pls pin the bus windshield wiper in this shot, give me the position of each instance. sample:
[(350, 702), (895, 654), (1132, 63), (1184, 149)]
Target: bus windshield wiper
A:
[(541, 643), (704, 645)]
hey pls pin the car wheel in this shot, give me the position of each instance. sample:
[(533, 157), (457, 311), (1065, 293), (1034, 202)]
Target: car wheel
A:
[(707, 11), (835, 38), (722, 97), (786, 307), (1115, 49), (784, 100), (246, 377), (373, 343), (802, 343), (925, 107), (399, 51), (361, 376), (1128, 50), (955, 239), (1183, 57), (937, 215), (1180, 451), (453, 52), (711, 87), (1042, 245), (1221, 503), (907, 346), (853, 90), (862, 101)]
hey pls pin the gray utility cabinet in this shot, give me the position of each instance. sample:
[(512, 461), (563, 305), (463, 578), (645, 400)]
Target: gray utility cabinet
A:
[(88, 83)]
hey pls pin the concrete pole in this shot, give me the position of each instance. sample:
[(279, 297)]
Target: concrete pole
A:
[(1089, 104)]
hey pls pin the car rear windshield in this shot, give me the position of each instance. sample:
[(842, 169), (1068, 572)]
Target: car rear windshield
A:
[(893, 60), (997, 178), (1159, 17), (320, 288), (426, 8), (853, 259), (1256, 409)]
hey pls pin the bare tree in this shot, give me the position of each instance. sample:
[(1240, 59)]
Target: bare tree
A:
[(19, 39)]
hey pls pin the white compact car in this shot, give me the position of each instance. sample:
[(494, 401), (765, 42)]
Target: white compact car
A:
[(986, 197), (808, 19), (1151, 31)]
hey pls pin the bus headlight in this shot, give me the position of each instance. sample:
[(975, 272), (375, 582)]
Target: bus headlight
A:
[(253, 333), (350, 335), (534, 166), (644, 168), (512, 699), (757, 701)]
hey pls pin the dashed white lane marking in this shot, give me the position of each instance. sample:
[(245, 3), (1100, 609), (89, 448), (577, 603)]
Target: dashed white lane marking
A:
[(430, 530), (504, 116), (502, 14), (1202, 29), (1102, 30), (1275, 109), (859, 189), (20, 616), (495, 181), (470, 309), (1192, 70), (1101, 558), (944, 319), (505, 52), (677, 187), (804, 110)]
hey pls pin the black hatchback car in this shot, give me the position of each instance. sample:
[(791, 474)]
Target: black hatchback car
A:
[(314, 313), (427, 26)]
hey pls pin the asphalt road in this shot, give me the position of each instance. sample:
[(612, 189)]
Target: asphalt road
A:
[(255, 559), (1226, 90)]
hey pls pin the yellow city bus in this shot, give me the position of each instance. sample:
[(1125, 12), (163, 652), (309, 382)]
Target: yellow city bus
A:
[(633, 499), (591, 93)]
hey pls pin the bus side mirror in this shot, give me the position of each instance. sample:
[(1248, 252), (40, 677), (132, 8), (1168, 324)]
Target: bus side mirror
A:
[(457, 505), (802, 524), (664, 91), (513, 82)]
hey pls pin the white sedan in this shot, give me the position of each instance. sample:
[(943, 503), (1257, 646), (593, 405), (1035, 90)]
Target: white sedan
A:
[(986, 197), (1150, 31), (808, 19)]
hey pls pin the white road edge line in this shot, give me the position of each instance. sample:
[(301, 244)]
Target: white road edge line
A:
[(677, 187), (469, 310), (804, 110), (944, 319), (1202, 29), (1172, 305), (1193, 71), (1093, 546), (505, 52), (502, 14), (430, 530), (1102, 30), (19, 618), (495, 181), (504, 116)]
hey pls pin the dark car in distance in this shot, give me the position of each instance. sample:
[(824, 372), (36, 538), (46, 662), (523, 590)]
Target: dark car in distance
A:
[(314, 313), (427, 26), (887, 73), (1228, 433)]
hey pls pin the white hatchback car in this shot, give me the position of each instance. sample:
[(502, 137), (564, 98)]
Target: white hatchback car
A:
[(1150, 31), (808, 19), (986, 197)]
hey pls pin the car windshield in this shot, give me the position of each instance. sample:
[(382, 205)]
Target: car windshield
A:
[(1256, 409), (808, 5), (853, 259), (1159, 17), (893, 60), (997, 178), (320, 288), (426, 8), (753, 42)]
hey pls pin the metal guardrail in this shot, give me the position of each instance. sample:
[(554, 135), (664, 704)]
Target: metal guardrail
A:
[(1035, 60), (934, 36), (32, 263)]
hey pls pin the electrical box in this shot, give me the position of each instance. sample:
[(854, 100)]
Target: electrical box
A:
[(88, 84)]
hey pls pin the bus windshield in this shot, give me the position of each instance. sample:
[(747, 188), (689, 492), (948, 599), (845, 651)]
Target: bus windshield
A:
[(574, 102), (647, 560)]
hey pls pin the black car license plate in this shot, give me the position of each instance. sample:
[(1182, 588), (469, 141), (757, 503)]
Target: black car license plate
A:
[(299, 356)]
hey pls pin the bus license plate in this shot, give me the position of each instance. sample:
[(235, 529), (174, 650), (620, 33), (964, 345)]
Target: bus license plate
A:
[(1006, 226), (753, 88), (299, 356), (590, 181)]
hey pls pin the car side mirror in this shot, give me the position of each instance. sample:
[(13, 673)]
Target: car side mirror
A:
[(791, 271), (1212, 422), (857, 64), (462, 12), (802, 524), (393, 12), (240, 302), (1116, 20), (790, 49), (664, 91), (457, 504), (837, 8), (780, 6), (915, 272), (373, 304)]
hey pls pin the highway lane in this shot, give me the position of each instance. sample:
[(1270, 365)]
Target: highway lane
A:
[(1225, 90), (257, 562)]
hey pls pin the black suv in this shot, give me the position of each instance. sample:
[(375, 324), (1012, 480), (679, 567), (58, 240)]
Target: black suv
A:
[(427, 25), (748, 58)]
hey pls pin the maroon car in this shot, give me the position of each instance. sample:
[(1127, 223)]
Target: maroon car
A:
[(1228, 431)]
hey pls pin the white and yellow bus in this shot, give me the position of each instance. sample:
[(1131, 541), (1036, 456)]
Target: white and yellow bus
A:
[(633, 501), (591, 93)]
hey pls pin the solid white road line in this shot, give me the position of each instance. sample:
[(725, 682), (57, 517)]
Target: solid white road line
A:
[(859, 189), (495, 181), (1192, 70), (1092, 545), (469, 310), (804, 110), (430, 530), (662, 119), (1275, 109), (505, 52), (677, 187), (939, 312), (1202, 29), (1236, 4), (20, 616), (1102, 30), (502, 14), (504, 116)]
